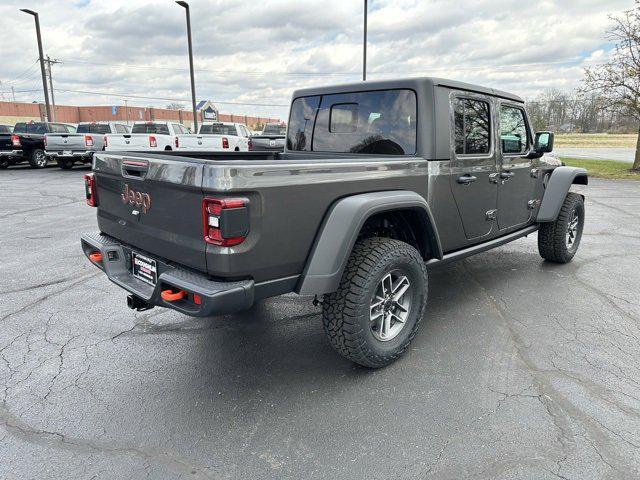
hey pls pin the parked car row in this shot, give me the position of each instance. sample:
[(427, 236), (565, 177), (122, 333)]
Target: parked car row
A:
[(39, 142)]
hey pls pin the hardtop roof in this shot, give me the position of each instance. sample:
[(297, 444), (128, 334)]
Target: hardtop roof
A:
[(413, 83)]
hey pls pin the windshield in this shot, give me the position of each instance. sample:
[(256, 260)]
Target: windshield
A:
[(218, 129), (5, 129), (93, 128), (38, 128), (376, 122), (159, 128), (274, 129)]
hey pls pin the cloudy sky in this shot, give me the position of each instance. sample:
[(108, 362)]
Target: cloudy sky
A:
[(258, 52)]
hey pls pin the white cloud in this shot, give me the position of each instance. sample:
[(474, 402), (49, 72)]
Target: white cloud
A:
[(259, 52)]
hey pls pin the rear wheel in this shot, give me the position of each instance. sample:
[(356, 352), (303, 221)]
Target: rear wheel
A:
[(375, 313), (4, 163), (65, 163), (38, 159), (559, 241)]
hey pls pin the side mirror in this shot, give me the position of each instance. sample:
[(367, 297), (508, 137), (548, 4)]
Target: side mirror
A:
[(543, 142)]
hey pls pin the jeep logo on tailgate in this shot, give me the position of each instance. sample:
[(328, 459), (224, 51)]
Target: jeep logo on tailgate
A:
[(136, 198)]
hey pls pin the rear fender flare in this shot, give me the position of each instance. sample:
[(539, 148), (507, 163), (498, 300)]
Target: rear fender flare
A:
[(339, 232), (556, 191)]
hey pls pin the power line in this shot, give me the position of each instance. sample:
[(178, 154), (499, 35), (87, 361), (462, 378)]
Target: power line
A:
[(20, 75), (121, 95)]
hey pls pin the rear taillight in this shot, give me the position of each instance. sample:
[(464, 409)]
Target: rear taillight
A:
[(225, 221), (177, 143), (152, 141), (90, 189), (106, 144), (88, 140), (225, 142), (250, 145), (15, 141)]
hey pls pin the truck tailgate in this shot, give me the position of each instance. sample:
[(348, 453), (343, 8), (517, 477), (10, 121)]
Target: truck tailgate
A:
[(153, 204), (64, 141), (211, 143), (129, 142)]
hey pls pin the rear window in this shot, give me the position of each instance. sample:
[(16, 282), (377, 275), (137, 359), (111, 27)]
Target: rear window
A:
[(37, 128), (218, 129), (159, 128), (5, 129), (378, 122), (93, 128), (274, 130)]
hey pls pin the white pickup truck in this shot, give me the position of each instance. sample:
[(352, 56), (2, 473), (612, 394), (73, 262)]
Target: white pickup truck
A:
[(147, 136), (216, 137)]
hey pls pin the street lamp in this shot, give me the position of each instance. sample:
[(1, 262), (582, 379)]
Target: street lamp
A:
[(44, 78), (185, 5), (364, 45)]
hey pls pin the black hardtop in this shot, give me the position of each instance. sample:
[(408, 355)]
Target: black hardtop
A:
[(417, 84)]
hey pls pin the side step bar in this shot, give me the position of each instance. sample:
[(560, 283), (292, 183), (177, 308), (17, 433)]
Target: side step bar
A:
[(482, 247)]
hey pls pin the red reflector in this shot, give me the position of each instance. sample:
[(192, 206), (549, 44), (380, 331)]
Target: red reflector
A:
[(196, 299), (90, 189), (106, 143), (225, 142), (177, 143), (95, 257), (250, 145), (15, 141), (88, 141), (152, 141)]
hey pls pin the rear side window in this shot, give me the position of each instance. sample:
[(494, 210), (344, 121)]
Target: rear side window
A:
[(513, 130), (93, 128), (472, 126), (377, 122), (159, 128), (5, 129), (301, 121)]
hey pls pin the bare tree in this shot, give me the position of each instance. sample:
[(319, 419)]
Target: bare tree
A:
[(618, 80), (175, 106)]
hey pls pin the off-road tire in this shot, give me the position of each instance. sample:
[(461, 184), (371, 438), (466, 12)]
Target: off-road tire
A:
[(4, 163), (38, 159), (552, 236), (346, 312), (65, 163)]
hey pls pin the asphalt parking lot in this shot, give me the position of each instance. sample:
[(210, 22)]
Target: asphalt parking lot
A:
[(522, 369)]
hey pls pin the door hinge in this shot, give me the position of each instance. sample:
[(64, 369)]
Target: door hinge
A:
[(533, 204), (535, 172), (494, 177), (492, 214)]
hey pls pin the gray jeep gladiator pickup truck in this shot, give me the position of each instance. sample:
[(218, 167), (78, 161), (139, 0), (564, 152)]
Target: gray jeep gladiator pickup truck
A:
[(378, 182)]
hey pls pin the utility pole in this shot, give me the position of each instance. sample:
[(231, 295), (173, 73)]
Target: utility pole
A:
[(13, 94), (364, 45), (41, 56), (185, 5), (53, 100), (126, 110)]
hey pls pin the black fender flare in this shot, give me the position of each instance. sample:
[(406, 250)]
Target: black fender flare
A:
[(339, 232), (556, 191)]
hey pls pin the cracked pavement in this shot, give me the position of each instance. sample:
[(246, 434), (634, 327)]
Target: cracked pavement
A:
[(522, 369)]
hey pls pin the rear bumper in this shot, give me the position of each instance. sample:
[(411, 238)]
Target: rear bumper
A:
[(11, 153), (72, 154), (215, 297)]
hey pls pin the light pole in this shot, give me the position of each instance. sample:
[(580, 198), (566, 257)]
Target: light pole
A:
[(185, 5), (364, 45), (44, 78)]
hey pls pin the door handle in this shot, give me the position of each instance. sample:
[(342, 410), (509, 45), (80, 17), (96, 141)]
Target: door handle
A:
[(506, 175), (466, 179)]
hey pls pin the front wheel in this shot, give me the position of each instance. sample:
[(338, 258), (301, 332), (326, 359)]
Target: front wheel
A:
[(4, 163), (38, 159), (375, 313), (558, 241)]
